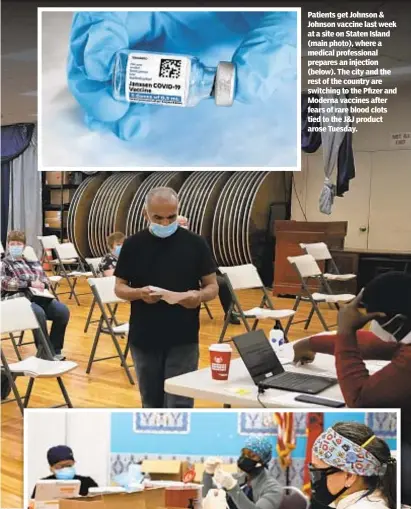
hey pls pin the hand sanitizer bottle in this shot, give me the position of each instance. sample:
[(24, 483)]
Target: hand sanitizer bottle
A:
[(172, 80), (277, 339)]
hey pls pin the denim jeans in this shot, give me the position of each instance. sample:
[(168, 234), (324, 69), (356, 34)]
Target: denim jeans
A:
[(154, 367), (59, 314)]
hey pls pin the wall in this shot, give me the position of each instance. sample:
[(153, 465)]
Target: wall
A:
[(378, 198), (86, 432), (222, 434)]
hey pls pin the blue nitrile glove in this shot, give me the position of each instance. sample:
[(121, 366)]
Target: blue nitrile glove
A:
[(263, 44), (266, 57)]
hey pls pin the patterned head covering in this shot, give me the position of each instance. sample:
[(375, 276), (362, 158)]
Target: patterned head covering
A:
[(260, 446), (338, 451)]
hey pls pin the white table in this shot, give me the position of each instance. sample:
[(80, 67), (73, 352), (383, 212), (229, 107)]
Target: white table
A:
[(239, 390)]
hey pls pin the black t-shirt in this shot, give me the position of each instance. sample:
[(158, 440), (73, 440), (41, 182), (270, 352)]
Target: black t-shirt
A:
[(86, 484), (176, 263)]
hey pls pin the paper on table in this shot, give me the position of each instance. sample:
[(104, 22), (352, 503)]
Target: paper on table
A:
[(167, 295)]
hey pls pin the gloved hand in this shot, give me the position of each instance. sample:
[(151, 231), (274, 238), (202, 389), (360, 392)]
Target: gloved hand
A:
[(224, 479), (264, 59), (211, 464)]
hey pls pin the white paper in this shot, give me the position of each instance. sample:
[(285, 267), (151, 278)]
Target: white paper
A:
[(168, 296), (41, 293), (268, 313)]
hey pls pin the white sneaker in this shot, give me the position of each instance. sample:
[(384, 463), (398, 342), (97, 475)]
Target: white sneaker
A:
[(59, 357)]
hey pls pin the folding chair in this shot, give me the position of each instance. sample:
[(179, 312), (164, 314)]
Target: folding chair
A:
[(205, 306), (14, 344), (94, 264), (307, 268), (66, 254), (320, 252), (294, 498), (103, 291), (242, 277), (30, 255), (17, 315)]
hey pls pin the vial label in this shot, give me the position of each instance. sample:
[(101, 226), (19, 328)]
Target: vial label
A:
[(157, 79)]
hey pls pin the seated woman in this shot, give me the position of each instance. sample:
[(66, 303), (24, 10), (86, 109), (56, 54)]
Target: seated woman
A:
[(108, 263), (18, 275), (61, 461), (253, 487), (351, 467), (387, 301)]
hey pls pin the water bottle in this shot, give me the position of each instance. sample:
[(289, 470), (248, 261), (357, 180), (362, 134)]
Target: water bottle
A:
[(277, 338), (172, 80)]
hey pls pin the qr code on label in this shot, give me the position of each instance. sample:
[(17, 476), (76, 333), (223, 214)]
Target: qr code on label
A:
[(170, 68)]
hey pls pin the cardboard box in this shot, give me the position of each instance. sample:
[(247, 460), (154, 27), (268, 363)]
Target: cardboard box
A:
[(56, 196), (52, 219), (147, 499), (55, 178), (164, 470), (231, 468)]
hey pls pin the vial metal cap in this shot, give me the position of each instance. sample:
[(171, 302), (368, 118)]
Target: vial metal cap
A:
[(224, 84)]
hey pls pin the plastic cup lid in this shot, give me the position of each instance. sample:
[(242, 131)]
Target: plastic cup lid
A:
[(220, 347), (224, 84)]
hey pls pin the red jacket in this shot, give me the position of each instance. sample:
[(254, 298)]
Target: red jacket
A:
[(388, 388)]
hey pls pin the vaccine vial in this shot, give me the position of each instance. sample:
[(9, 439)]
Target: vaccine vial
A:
[(172, 80)]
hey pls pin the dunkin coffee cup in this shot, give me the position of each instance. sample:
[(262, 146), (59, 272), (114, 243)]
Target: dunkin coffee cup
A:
[(220, 357)]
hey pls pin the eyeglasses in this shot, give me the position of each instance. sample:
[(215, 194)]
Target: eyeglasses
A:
[(317, 473)]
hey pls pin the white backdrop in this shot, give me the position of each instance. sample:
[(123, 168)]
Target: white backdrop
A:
[(86, 432)]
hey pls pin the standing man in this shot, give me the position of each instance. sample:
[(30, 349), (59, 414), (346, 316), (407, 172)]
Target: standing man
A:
[(164, 338)]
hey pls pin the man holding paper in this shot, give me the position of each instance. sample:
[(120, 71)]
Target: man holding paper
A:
[(26, 278), (166, 272)]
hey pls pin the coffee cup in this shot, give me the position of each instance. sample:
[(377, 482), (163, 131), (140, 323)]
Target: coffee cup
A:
[(220, 358)]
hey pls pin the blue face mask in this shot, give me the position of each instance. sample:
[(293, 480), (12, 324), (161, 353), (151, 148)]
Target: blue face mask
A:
[(163, 231), (65, 474), (117, 250), (16, 251)]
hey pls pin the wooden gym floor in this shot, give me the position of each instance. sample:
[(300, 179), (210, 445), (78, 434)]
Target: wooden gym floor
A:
[(107, 385)]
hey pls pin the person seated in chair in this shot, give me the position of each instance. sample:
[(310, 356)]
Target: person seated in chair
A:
[(351, 467), (387, 301), (18, 275), (224, 293), (61, 461), (253, 487), (108, 263)]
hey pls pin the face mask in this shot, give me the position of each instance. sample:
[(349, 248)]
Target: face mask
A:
[(16, 251), (392, 330), (319, 488), (248, 465), (65, 474), (163, 231), (117, 250)]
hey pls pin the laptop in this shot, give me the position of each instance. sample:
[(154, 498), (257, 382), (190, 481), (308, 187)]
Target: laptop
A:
[(267, 371), (53, 489)]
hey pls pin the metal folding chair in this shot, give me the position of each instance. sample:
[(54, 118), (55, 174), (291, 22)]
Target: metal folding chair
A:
[(307, 269), (242, 277), (94, 264), (320, 252), (31, 256), (17, 315), (103, 291)]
